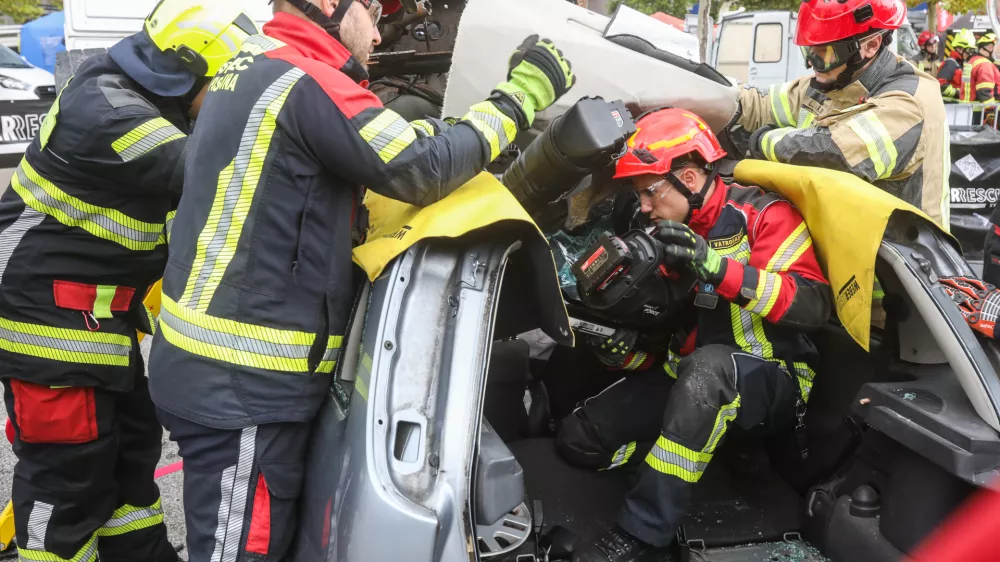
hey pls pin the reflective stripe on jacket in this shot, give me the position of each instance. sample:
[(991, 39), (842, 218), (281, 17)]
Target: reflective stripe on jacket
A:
[(979, 75), (888, 128), (928, 66), (773, 289), (258, 288), (82, 230)]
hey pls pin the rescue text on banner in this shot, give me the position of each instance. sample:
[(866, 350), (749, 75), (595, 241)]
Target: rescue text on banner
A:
[(20, 120)]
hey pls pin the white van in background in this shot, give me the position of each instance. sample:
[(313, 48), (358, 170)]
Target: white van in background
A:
[(94, 24), (758, 48)]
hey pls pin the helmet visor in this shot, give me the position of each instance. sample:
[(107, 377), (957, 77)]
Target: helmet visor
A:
[(824, 58)]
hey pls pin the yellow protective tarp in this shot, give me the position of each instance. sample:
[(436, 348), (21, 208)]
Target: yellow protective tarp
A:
[(395, 226), (152, 301), (846, 217)]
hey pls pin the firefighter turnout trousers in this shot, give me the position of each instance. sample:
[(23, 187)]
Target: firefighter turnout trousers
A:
[(247, 483), (83, 484), (717, 385)]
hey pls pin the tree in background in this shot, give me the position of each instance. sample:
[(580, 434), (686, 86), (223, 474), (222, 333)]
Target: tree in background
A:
[(676, 8), (956, 7), (21, 10)]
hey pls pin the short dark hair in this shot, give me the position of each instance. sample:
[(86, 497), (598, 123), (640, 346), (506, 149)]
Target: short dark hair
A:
[(689, 158)]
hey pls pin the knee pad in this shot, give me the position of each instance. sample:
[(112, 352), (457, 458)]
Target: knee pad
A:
[(708, 372)]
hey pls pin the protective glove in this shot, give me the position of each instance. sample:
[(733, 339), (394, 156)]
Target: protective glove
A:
[(682, 248), (538, 76), (615, 351), (756, 142), (735, 140), (979, 302)]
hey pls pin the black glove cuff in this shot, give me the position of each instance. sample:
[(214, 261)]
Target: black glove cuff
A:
[(755, 149), (721, 275), (506, 104)]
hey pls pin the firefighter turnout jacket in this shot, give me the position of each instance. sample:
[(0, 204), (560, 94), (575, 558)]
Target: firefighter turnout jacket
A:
[(888, 128), (927, 66), (950, 78), (773, 290), (257, 291), (979, 80), (82, 231)]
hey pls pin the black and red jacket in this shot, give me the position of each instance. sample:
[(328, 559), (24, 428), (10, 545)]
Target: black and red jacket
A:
[(258, 287), (773, 290), (83, 231)]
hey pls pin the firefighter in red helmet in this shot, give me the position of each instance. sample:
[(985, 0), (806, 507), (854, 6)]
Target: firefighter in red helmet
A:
[(864, 110), (929, 59), (745, 359)]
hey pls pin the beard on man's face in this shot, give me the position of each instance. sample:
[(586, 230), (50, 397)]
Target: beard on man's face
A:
[(357, 32)]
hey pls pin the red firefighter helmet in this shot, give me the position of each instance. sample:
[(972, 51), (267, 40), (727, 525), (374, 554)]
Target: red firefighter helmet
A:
[(661, 137), (390, 7), (924, 37), (823, 21)]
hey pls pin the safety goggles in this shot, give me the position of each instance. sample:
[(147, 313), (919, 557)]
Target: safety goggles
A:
[(649, 191), (824, 58), (374, 9), (932, 41)]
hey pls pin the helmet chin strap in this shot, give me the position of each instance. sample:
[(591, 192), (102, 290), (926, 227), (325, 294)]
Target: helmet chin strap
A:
[(851, 67), (329, 24), (695, 200)]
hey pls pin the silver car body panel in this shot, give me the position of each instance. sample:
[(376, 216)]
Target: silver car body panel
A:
[(919, 255), (394, 449), (405, 494)]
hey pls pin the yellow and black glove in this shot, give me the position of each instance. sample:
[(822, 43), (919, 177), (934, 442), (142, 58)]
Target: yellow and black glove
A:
[(618, 351), (538, 75), (683, 248)]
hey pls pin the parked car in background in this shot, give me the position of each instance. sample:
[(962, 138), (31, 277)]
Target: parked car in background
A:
[(26, 93), (19, 80)]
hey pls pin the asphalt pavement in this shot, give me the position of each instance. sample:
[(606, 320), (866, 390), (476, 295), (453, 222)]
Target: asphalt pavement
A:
[(171, 485)]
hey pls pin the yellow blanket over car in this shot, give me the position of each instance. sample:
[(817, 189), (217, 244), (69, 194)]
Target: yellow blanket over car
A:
[(395, 226), (846, 217)]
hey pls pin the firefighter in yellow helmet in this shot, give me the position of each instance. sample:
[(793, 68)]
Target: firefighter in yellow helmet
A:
[(83, 235), (979, 75)]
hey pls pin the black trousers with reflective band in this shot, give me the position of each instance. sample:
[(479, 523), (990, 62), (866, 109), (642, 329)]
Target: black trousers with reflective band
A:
[(670, 430), (241, 488), (83, 483)]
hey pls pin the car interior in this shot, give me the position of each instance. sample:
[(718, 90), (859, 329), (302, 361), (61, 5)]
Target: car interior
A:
[(886, 429)]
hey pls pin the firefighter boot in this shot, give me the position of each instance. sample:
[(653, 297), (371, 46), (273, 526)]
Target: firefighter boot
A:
[(615, 546)]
